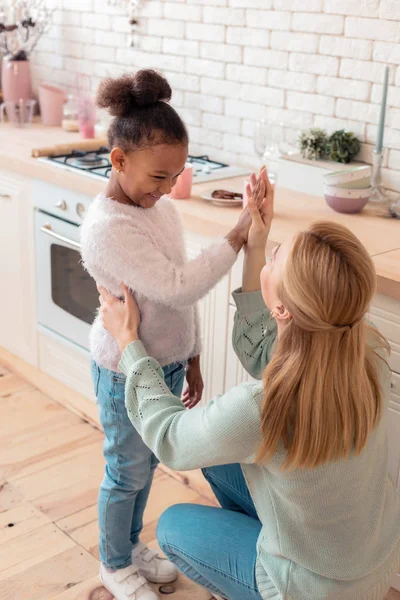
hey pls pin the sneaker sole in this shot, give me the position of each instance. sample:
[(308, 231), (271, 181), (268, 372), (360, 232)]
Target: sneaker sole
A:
[(164, 579)]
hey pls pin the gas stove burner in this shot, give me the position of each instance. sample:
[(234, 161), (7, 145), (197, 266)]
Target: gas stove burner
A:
[(97, 163), (88, 160)]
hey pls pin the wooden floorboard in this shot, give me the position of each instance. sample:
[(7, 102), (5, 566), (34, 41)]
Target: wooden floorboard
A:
[(50, 468)]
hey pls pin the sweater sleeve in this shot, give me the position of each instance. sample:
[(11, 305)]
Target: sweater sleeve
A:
[(135, 260), (226, 430), (254, 332)]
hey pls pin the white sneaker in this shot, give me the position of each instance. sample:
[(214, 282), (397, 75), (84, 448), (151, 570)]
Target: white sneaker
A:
[(127, 584), (152, 565)]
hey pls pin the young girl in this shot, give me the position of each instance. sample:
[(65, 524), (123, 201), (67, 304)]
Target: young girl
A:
[(310, 512), (133, 234)]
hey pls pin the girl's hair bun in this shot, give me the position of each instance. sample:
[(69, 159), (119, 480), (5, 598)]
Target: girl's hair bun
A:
[(124, 95)]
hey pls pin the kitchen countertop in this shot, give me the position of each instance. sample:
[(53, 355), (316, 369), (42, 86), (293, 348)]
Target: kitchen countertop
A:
[(293, 210)]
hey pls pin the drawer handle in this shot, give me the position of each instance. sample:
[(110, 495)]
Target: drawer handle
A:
[(47, 229), (7, 196)]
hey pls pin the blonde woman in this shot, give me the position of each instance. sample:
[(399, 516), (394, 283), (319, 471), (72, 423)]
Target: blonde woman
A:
[(299, 461)]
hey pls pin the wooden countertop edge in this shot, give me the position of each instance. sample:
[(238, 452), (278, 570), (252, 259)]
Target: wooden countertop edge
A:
[(32, 168)]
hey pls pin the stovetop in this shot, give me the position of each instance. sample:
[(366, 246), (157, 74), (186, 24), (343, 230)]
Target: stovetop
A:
[(97, 164)]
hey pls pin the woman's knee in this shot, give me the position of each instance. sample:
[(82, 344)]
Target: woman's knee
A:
[(170, 525)]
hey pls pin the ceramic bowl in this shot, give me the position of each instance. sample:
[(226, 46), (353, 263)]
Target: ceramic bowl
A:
[(346, 201), (355, 178)]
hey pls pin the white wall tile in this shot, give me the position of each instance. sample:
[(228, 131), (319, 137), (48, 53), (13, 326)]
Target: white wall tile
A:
[(364, 70), (342, 46), (389, 9), (224, 52), (266, 58), (358, 8), (231, 62), (320, 65), (269, 19), (244, 36), (294, 42), (320, 105), (372, 29), (303, 82), (227, 16), (318, 23), (344, 88)]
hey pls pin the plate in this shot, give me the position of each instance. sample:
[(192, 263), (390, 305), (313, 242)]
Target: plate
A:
[(221, 202)]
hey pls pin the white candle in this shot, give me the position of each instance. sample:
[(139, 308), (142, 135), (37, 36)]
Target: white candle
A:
[(381, 126)]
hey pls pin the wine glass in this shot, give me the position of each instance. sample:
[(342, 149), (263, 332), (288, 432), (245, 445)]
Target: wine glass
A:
[(260, 138)]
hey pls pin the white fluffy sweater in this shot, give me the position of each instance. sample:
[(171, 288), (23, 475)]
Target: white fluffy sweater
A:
[(144, 248)]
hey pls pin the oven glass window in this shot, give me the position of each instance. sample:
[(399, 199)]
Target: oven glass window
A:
[(72, 288)]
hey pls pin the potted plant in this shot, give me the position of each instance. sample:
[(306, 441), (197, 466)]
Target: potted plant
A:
[(312, 143), (21, 27), (342, 146)]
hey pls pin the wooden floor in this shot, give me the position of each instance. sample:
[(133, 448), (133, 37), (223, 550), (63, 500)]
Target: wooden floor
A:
[(50, 469), (51, 465)]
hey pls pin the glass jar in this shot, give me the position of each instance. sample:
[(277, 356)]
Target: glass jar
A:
[(70, 121)]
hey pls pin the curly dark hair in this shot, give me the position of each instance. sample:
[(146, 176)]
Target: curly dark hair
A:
[(142, 115)]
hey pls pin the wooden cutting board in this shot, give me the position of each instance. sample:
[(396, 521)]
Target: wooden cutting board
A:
[(88, 145)]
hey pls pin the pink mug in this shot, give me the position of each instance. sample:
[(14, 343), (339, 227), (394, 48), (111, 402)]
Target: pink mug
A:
[(183, 187)]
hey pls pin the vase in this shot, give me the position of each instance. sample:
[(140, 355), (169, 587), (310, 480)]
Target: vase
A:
[(16, 80)]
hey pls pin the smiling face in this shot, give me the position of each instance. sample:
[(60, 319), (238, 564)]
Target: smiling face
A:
[(149, 173)]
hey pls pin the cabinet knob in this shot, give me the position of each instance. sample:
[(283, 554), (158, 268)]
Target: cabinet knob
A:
[(62, 205)]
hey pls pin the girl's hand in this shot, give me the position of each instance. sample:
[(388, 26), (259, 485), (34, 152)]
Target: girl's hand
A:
[(239, 234), (261, 208), (193, 393), (121, 318)]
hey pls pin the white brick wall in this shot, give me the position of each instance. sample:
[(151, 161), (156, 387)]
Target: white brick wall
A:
[(231, 62)]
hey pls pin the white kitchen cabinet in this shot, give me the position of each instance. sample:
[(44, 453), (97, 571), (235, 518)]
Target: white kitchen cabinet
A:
[(17, 304), (213, 310), (385, 314), (235, 373)]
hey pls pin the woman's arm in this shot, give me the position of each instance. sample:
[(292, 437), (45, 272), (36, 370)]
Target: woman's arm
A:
[(225, 431), (254, 332)]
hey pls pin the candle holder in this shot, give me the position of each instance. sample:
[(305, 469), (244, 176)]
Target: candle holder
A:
[(384, 205)]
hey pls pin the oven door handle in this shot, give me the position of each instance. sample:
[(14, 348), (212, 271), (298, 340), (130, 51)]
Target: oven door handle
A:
[(48, 230)]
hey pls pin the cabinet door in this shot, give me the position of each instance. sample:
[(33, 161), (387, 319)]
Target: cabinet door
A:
[(17, 303), (213, 309), (235, 373), (394, 430)]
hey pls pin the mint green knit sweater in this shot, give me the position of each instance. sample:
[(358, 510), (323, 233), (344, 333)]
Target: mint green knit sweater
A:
[(332, 533)]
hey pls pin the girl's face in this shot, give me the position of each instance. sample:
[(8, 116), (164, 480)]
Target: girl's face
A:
[(149, 173), (272, 273)]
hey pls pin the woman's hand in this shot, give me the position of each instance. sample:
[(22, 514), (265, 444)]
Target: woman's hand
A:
[(261, 209), (193, 393), (121, 318)]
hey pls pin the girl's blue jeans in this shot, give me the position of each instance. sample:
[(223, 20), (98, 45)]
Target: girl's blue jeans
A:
[(129, 469)]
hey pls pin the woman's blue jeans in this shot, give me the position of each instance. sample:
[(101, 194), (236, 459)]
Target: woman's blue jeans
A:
[(216, 547)]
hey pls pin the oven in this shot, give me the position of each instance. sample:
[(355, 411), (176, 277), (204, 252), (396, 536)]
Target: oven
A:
[(67, 297)]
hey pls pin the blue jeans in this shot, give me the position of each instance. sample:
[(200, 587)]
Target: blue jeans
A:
[(129, 469), (216, 547)]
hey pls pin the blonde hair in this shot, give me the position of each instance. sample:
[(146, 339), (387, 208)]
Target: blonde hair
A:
[(322, 393)]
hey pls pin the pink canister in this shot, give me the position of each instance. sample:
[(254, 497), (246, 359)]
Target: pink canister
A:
[(183, 188), (16, 80)]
